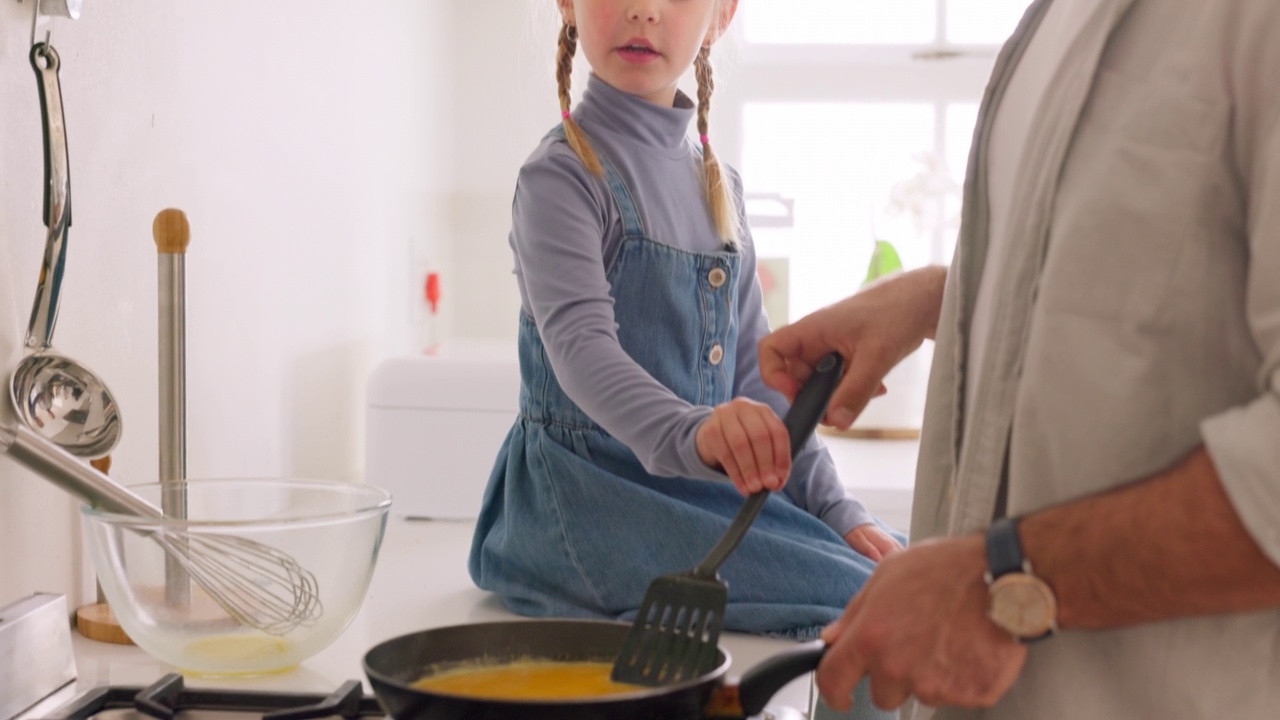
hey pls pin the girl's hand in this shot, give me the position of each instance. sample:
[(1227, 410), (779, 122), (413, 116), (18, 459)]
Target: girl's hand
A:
[(873, 542), (748, 440)]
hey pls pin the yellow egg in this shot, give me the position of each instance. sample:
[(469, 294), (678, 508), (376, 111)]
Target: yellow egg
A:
[(527, 680)]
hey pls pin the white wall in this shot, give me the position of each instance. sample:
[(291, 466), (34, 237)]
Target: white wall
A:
[(506, 105), (310, 144), (327, 153)]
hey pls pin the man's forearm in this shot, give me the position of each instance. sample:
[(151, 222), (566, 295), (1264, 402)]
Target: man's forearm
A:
[(934, 279), (1166, 547)]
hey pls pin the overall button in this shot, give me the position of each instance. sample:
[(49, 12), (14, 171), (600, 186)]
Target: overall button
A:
[(716, 355), (717, 276)]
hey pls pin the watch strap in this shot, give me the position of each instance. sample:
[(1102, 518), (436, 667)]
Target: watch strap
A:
[(1004, 556), (1004, 548)]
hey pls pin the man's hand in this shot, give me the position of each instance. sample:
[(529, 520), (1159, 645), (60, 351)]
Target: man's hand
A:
[(873, 329), (749, 441), (920, 628)]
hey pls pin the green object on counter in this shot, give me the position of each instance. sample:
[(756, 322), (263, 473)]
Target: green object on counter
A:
[(884, 261)]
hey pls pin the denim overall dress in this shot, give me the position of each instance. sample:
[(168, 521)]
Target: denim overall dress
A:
[(572, 525)]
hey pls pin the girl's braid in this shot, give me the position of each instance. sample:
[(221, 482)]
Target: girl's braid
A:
[(568, 46), (718, 193)]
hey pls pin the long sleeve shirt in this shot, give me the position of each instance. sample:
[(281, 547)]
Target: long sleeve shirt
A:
[(1135, 318), (565, 232)]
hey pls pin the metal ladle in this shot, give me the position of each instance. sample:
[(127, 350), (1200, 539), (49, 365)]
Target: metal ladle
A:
[(53, 395)]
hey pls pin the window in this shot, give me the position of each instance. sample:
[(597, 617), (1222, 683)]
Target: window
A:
[(876, 22), (851, 121)]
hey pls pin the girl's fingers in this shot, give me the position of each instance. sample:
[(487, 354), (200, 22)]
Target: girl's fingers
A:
[(738, 443), (730, 465), (873, 542), (750, 443), (759, 433), (714, 450), (781, 441), (886, 543), (868, 548)]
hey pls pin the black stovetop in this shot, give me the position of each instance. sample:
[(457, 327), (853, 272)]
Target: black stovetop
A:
[(168, 699)]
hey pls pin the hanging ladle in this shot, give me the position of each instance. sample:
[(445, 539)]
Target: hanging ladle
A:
[(55, 396)]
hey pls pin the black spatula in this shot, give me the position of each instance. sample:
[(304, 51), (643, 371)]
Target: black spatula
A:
[(675, 633)]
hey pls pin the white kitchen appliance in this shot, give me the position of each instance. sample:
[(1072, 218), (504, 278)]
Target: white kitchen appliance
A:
[(435, 423)]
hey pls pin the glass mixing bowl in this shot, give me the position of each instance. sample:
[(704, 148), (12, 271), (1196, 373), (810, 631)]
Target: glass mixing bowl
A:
[(249, 534)]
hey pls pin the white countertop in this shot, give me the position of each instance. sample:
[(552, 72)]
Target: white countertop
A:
[(420, 582)]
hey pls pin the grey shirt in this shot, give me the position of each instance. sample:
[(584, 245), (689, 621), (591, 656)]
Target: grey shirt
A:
[(1136, 318), (565, 232)]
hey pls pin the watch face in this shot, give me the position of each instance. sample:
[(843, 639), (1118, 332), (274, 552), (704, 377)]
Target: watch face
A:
[(1022, 605)]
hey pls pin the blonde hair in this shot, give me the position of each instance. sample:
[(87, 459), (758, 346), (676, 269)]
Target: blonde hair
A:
[(716, 189), (573, 132), (719, 194)]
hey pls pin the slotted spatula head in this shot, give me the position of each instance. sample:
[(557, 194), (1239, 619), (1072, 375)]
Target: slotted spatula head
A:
[(675, 633)]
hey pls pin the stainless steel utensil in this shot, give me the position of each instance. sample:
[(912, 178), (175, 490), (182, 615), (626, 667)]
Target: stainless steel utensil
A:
[(674, 636), (254, 583), (54, 395), (172, 234), (66, 411)]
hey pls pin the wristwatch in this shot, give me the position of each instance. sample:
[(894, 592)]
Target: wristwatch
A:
[(1018, 602)]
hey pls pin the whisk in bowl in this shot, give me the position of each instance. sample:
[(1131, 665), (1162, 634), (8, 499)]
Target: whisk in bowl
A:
[(331, 529), (257, 585)]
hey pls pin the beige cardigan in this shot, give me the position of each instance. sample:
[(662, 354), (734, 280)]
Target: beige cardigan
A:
[(1138, 317)]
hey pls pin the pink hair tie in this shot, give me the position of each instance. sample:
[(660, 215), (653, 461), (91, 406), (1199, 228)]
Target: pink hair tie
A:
[(705, 140), (565, 114)]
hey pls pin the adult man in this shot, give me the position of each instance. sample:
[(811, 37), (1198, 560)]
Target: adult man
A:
[(1106, 380)]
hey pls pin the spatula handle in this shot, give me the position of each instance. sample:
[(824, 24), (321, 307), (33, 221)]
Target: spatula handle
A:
[(802, 418)]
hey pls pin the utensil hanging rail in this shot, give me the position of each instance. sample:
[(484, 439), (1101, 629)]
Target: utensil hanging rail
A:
[(52, 8)]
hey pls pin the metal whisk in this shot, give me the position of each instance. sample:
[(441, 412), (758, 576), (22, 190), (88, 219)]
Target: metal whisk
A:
[(256, 584)]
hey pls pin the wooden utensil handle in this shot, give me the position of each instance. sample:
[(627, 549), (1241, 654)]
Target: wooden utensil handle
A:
[(171, 231)]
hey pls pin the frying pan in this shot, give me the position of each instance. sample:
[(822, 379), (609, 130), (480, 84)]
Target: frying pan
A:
[(393, 665)]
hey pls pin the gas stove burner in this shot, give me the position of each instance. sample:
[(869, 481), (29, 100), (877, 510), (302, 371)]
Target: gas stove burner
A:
[(167, 698)]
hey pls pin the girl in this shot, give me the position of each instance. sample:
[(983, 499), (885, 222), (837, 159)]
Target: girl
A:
[(640, 390)]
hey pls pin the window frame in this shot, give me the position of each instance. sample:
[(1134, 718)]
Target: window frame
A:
[(937, 73)]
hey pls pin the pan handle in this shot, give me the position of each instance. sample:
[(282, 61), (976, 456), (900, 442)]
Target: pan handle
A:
[(759, 684)]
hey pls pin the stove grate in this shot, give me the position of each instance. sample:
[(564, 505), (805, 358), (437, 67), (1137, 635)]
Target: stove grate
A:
[(165, 698)]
